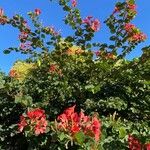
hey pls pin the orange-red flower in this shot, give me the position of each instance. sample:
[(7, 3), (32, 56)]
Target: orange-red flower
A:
[(96, 126), (22, 123), (13, 73), (35, 119), (72, 122), (36, 114), (129, 27), (40, 126), (132, 6), (147, 146)]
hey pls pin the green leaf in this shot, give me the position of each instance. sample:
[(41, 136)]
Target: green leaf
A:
[(122, 132), (80, 137), (24, 99), (6, 51), (62, 136)]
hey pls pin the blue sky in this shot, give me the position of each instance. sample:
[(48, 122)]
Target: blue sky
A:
[(52, 14)]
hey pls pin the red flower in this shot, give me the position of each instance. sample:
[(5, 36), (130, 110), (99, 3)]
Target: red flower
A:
[(63, 121), (13, 73), (83, 118), (69, 111), (96, 126), (97, 53), (147, 146), (74, 3), (22, 123), (132, 6), (37, 11), (1, 12), (25, 46), (36, 113), (75, 128), (95, 25), (53, 68), (72, 122), (87, 20), (40, 126), (129, 27), (134, 144)]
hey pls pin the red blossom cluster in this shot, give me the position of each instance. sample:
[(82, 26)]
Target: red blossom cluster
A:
[(133, 33), (35, 119), (74, 3), (72, 122), (94, 24), (37, 11), (135, 144)]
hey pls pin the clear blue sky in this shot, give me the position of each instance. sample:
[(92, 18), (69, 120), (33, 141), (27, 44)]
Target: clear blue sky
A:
[(52, 14)]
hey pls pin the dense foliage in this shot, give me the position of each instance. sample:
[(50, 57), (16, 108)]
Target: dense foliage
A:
[(67, 96)]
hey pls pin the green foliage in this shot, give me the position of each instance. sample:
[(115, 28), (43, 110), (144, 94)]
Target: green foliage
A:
[(61, 72)]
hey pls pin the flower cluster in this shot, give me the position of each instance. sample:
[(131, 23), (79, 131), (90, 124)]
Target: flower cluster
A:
[(135, 144), (54, 68), (35, 120), (94, 24), (72, 122), (134, 34)]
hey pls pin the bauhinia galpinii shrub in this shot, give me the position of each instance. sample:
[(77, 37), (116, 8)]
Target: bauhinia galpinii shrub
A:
[(66, 94)]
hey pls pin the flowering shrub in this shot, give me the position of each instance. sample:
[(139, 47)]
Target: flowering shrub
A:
[(75, 71)]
